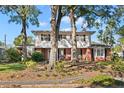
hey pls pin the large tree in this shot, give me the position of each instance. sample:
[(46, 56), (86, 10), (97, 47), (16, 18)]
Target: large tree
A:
[(96, 16), (72, 17), (120, 32), (24, 15), (56, 16), (111, 25)]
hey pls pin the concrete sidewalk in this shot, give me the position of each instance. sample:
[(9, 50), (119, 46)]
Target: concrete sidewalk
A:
[(58, 81)]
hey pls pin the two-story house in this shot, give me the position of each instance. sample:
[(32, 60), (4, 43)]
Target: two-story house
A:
[(87, 50)]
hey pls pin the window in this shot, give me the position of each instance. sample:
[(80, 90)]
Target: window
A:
[(99, 52), (48, 37), (60, 37), (84, 38), (63, 37), (45, 37), (42, 37)]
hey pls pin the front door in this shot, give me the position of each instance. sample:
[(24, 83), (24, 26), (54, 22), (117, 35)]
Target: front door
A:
[(61, 53), (92, 54)]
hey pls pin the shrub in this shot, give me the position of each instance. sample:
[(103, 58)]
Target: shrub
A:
[(100, 80), (115, 57), (4, 58), (103, 63), (103, 80), (13, 55), (118, 66), (30, 64), (59, 66), (37, 56)]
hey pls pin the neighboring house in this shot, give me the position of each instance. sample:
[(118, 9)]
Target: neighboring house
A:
[(30, 49), (2, 49), (87, 50)]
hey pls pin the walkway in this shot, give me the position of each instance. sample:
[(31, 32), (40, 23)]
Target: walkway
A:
[(58, 81)]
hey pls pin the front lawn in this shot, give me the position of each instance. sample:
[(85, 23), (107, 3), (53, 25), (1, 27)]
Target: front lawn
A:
[(11, 67)]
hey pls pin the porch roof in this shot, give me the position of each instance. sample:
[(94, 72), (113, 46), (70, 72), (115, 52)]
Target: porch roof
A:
[(96, 44)]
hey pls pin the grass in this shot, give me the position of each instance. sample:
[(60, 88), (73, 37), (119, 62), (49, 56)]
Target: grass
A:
[(11, 67)]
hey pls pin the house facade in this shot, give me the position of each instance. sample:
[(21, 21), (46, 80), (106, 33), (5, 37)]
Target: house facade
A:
[(86, 49)]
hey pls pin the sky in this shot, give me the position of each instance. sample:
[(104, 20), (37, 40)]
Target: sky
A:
[(12, 30)]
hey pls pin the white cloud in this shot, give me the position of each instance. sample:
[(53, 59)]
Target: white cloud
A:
[(66, 19), (80, 21), (43, 23)]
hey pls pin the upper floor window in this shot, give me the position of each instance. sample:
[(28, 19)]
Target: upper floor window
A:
[(45, 37), (62, 37), (77, 37), (84, 38)]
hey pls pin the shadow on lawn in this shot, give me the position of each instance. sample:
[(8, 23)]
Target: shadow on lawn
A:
[(12, 67)]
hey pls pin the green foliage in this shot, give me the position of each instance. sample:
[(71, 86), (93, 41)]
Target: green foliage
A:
[(37, 56), (4, 58), (24, 15), (59, 66), (12, 67), (117, 48), (13, 55), (100, 80), (118, 66), (19, 40), (103, 80), (118, 63), (115, 57), (121, 31), (103, 63), (30, 64), (106, 36), (18, 13)]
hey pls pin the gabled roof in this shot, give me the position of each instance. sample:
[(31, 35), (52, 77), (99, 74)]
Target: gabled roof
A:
[(63, 32)]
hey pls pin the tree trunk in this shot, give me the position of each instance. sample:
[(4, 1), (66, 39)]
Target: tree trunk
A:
[(59, 17), (24, 39), (74, 43), (53, 51)]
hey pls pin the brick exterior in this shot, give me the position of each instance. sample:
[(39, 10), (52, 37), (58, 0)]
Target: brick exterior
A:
[(86, 54)]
